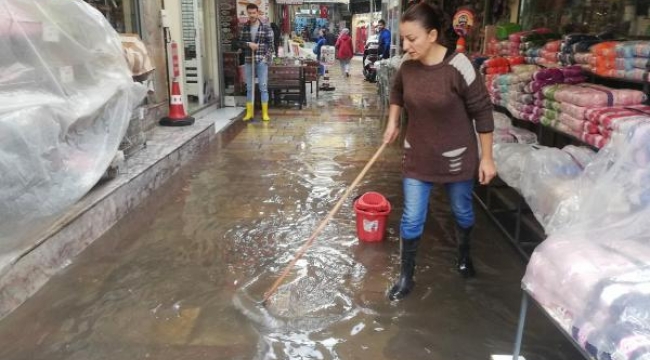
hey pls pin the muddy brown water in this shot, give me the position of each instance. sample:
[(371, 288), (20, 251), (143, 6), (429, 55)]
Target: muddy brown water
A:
[(179, 277)]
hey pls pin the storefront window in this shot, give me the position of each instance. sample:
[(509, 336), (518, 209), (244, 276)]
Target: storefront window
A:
[(629, 18), (124, 15)]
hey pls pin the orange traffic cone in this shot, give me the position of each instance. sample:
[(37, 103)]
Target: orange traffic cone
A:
[(177, 115)]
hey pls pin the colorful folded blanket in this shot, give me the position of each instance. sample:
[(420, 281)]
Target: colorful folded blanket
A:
[(552, 104), (604, 115), (571, 71), (605, 49), (629, 49), (596, 140), (550, 91), (574, 80), (590, 128), (590, 95), (577, 112), (551, 114), (576, 125)]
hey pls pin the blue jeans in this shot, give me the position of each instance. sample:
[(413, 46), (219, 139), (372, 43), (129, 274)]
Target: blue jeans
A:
[(416, 203), (262, 73)]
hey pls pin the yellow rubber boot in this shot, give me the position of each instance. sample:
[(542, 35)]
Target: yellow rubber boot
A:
[(265, 111), (249, 111)]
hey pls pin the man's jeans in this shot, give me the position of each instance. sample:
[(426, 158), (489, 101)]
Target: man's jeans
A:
[(416, 203), (262, 73)]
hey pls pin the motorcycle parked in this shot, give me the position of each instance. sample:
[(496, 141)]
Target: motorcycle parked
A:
[(371, 58)]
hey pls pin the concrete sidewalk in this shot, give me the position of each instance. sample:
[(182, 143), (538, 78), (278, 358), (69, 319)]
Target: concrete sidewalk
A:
[(166, 151)]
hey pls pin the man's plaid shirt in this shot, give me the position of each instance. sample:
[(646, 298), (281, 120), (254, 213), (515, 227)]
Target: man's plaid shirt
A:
[(265, 40)]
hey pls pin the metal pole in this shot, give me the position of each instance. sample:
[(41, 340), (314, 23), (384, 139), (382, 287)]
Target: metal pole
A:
[(520, 326)]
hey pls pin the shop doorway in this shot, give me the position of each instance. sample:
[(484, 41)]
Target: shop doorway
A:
[(198, 75)]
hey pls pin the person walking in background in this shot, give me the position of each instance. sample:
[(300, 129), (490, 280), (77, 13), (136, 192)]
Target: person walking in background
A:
[(277, 37), (384, 39), (344, 51), (330, 39), (446, 102), (317, 50), (258, 40)]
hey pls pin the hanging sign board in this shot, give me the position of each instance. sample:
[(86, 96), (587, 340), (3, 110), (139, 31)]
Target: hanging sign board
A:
[(463, 22)]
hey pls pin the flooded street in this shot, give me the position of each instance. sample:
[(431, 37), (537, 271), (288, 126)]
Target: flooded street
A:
[(180, 277)]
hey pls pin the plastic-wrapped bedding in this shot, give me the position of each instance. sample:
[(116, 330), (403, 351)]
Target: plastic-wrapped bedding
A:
[(591, 274), (67, 98), (547, 179), (510, 160)]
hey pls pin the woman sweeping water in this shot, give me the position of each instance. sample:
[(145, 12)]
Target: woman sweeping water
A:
[(446, 102)]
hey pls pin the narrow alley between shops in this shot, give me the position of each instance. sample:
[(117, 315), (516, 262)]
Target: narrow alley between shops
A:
[(179, 277)]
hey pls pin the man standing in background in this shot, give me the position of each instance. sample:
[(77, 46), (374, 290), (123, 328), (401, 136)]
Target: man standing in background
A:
[(384, 39), (258, 39), (330, 39)]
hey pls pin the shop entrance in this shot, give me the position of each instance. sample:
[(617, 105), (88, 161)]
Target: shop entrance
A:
[(198, 75)]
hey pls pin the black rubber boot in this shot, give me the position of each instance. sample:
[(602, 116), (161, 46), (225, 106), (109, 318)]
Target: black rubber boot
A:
[(404, 285), (464, 262)]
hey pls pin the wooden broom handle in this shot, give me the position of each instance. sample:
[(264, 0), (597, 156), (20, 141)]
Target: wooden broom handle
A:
[(322, 225)]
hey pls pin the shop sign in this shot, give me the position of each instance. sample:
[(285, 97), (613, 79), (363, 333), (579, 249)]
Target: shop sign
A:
[(289, 2), (463, 22)]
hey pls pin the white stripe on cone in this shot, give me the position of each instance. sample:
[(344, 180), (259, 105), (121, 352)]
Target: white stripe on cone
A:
[(176, 100)]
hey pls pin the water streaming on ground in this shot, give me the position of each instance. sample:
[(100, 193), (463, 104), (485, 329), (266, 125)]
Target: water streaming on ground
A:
[(182, 277)]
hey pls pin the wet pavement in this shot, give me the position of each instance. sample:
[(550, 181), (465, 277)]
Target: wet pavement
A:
[(179, 277)]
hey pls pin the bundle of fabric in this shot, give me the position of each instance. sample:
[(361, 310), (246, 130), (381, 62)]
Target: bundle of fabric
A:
[(506, 133), (575, 109), (544, 50), (507, 48), (625, 60), (606, 122), (575, 44), (584, 60), (550, 53), (496, 65), (509, 90), (530, 103)]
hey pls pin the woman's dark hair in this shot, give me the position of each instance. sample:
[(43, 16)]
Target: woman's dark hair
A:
[(429, 17), (426, 15)]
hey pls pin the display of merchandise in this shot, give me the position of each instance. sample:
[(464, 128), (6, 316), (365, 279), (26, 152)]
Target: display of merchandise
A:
[(591, 274)]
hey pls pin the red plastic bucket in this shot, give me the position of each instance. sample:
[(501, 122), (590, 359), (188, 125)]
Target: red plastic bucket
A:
[(372, 211)]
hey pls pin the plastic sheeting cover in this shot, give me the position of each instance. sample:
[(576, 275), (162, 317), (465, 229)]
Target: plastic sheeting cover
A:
[(549, 177), (66, 97), (592, 274)]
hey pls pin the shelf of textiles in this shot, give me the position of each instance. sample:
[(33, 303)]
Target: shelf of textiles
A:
[(565, 113), (594, 208), (506, 199), (562, 98), (597, 54)]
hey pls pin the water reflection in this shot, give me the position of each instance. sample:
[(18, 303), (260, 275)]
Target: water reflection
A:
[(183, 276)]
